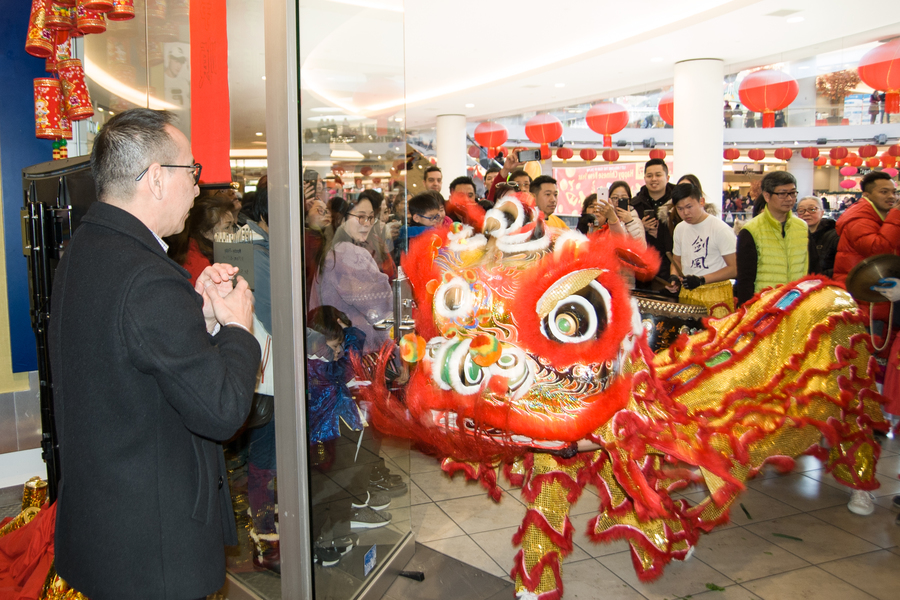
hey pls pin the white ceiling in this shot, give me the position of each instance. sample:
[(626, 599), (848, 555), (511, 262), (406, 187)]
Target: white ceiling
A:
[(359, 57)]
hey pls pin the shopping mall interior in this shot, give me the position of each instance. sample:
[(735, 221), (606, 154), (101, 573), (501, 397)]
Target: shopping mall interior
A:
[(332, 107)]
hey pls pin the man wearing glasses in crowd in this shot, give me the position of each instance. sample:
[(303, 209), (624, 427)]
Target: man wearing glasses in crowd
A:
[(772, 249), (149, 373)]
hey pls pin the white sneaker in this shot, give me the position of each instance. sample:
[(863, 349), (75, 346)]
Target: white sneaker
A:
[(861, 503)]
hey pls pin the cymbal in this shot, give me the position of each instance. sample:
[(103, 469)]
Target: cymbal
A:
[(868, 273)]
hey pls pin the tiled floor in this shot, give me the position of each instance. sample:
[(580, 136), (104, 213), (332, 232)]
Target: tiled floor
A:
[(839, 555)]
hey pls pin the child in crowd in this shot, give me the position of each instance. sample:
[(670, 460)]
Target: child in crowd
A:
[(425, 212), (331, 339)]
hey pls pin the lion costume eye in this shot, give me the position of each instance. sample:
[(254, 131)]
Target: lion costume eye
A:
[(580, 316), (454, 299)]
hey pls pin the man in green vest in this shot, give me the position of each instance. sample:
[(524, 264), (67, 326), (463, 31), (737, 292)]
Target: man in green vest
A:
[(772, 249)]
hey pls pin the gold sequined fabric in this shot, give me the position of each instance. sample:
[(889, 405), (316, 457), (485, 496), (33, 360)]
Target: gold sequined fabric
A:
[(35, 493), (55, 588), (717, 297)]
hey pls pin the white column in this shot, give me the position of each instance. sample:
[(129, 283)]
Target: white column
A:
[(803, 170), (699, 124), (451, 148)]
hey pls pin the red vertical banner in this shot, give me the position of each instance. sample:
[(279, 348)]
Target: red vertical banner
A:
[(210, 108)]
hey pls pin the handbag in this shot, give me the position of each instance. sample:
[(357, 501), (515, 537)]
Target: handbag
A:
[(262, 409)]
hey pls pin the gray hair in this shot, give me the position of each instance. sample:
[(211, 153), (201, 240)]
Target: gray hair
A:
[(130, 142), (815, 199), (775, 179)]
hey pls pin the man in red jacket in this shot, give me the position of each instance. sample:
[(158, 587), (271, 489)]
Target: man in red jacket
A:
[(868, 228)]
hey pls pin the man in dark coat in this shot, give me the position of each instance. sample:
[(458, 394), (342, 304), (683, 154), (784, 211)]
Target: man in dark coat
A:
[(650, 204), (148, 373)]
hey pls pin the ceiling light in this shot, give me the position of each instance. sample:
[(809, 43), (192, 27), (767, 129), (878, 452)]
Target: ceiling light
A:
[(264, 77), (795, 20), (470, 105), (112, 114), (259, 133)]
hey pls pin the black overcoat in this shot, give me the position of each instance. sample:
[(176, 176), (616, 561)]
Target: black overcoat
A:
[(142, 395)]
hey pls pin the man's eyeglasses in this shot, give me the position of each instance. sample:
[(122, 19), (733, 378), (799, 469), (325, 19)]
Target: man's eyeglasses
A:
[(363, 220), (807, 211), (195, 171), (793, 194)]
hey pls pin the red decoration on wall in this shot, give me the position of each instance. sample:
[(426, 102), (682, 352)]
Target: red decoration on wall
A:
[(879, 68), (606, 119), (666, 107), (210, 108), (491, 135), (757, 154), (657, 153), (587, 154), (564, 153), (868, 151), (810, 152), (731, 154), (784, 154), (820, 161), (610, 155), (839, 153), (543, 129), (767, 91)]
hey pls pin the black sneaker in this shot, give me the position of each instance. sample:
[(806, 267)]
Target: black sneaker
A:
[(374, 499), (382, 472), (391, 488), (366, 518), (327, 557)]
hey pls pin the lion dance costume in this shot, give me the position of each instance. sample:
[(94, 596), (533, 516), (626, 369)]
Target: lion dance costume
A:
[(528, 347)]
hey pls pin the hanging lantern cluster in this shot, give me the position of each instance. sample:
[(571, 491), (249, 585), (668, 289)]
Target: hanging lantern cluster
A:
[(607, 118), (767, 91), (64, 98)]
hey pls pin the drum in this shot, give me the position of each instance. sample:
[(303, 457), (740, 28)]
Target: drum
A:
[(664, 320)]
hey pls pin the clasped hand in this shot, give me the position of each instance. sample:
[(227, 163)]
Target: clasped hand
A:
[(223, 301)]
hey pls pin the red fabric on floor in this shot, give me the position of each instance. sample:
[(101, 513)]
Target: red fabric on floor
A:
[(26, 555)]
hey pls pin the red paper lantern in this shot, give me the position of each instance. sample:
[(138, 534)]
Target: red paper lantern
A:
[(545, 152), (606, 119), (894, 150), (587, 154), (890, 171), (784, 154), (820, 161), (657, 153), (767, 91), (887, 160), (879, 68), (610, 155), (365, 171), (474, 151), (543, 129), (872, 162), (839, 153), (837, 162), (868, 151), (810, 152), (666, 107), (848, 184), (491, 135), (564, 153), (757, 154), (731, 154), (848, 171), (855, 161)]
